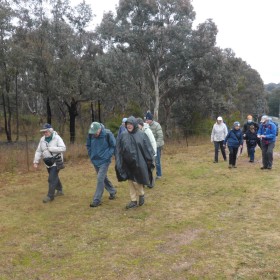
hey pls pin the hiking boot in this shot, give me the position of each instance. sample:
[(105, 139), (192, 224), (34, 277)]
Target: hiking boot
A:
[(112, 195), (47, 199), (131, 204), (59, 193), (234, 166), (230, 166), (158, 177), (95, 204), (141, 200), (215, 161), (263, 167)]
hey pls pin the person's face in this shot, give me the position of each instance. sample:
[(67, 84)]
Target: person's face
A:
[(47, 133), (219, 121), (236, 127), (129, 127), (97, 133), (140, 126), (149, 121)]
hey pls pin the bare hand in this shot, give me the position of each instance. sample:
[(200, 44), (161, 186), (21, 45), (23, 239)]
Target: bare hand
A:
[(35, 165)]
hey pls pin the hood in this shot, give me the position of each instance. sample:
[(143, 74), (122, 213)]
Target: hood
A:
[(133, 121)]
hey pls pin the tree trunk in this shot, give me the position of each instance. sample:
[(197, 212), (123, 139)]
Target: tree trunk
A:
[(49, 112), (73, 113), (92, 111), (17, 115)]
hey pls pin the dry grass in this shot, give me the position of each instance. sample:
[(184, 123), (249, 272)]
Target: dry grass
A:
[(201, 221)]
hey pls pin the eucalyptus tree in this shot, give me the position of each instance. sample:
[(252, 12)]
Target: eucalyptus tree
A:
[(6, 29), (153, 29)]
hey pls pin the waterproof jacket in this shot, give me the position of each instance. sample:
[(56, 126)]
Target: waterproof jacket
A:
[(234, 138), (269, 130), (219, 132), (134, 156), (101, 149), (251, 138), (148, 131), (54, 147), (247, 125), (158, 134)]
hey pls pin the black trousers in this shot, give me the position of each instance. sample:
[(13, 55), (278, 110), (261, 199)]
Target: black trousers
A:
[(232, 155)]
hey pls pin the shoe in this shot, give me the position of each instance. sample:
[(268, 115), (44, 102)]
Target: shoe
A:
[(215, 161), (95, 204), (141, 200), (47, 199), (234, 166), (131, 204), (59, 193), (263, 167), (251, 160), (112, 196), (158, 177), (269, 167), (230, 166)]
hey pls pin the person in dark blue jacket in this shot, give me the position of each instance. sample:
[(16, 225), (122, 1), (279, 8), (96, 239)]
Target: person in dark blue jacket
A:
[(267, 134), (251, 140), (234, 140), (101, 145)]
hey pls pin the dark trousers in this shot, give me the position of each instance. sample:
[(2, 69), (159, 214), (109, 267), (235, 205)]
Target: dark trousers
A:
[(232, 155), (267, 154), (219, 145), (251, 152), (54, 181)]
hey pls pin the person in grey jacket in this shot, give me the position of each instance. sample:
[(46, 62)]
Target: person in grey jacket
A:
[(158, 134), (50, 145), (218, 135)]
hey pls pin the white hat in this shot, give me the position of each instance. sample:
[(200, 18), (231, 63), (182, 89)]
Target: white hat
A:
[(219, 118)]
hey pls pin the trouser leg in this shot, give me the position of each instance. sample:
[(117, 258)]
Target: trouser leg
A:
[(101, 175), (53, 181)]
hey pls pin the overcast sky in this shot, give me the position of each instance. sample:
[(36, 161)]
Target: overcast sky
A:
[(249, 27)]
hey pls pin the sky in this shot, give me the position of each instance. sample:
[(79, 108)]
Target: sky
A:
[(249, 27)]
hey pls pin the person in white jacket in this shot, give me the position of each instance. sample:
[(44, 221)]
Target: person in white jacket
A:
[(51, 145), (218, 135)]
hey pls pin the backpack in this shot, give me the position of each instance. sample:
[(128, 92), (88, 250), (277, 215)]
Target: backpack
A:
[(276, 124)]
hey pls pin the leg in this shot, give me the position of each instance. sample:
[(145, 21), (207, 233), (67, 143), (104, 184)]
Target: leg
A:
[(59, 185), (216, 146), (230, 155), (223, 150), (234, 156), (269, 154), (264, 150), (252, 153), (133, 195), (53, 181), (101, 175), (140, 191), (158, 163), (248, 148)]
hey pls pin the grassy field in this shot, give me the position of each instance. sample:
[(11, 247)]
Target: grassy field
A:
[(201, 221)]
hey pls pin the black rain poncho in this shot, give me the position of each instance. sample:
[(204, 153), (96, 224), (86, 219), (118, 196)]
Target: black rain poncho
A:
[(134, 156)]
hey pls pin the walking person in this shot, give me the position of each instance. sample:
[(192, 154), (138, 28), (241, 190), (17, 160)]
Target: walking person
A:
[(51, 146), (267, 135), (218, 135), (101, 145), (122, 127), (234, 140), (158, 134), (134, 161), (246, 127), (251, 141)]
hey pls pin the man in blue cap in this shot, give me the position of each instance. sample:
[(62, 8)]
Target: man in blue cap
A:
[(101, 145)]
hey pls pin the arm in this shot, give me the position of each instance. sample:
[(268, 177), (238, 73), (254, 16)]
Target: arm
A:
[(60, 146)]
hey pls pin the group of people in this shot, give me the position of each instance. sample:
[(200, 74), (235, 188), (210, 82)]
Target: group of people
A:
[(137, 151), (263, 135)]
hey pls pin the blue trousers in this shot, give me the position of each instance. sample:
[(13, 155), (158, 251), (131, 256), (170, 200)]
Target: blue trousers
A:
[(158, 163), (102, 181)]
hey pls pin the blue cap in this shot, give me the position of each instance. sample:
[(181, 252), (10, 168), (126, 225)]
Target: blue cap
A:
[(46, 127)]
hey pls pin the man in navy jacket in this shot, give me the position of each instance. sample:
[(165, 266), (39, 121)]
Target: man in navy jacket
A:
[(267, 135)]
